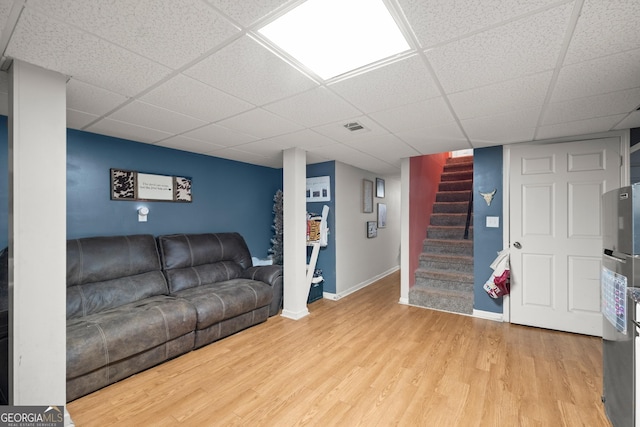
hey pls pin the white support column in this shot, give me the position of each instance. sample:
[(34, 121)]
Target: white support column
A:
[(294, 204), (37, 236), (405, 182)]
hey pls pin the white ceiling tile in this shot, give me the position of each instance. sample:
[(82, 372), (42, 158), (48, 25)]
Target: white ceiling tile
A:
[(630, 122), (87, 98), (388, 148), (604, 27), (399, 83), (593, 106), (437, 139), (432, 112), (248, 12), (171, 32), (219, 135), (147, 115), (79, 119), (263, 147), (246, 157), (435, 21), (580, 127), (5, 8), (304, 139), (128, 131), (249, 71), (609, 74), (188, 96), (526, 46), (521, 93), (316, 157), (181, 142), (506, 128), (315, 107), (50, 44), (338, 132), (351, 156), (260, 123)]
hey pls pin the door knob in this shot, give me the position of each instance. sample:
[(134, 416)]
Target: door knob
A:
[(517, 245)]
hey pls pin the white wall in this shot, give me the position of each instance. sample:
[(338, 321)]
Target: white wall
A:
[(360, 260)]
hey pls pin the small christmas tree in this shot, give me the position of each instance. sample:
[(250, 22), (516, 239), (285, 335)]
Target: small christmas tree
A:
[(277, 239)]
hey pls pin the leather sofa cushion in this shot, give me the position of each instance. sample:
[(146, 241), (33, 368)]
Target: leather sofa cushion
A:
[(100, 296), (192, 250), (101, 339), (185, 278), (98, 259), (220, 301), (107, 272)]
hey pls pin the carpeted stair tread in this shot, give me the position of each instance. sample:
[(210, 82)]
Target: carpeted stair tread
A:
[(452, 219), (458, 263), (445, 276), (441, 299), (448, 232), (455, 185), (451, 207), (453, 196), (458, 175)]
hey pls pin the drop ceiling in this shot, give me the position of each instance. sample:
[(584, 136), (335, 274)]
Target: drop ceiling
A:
[(196, 75)]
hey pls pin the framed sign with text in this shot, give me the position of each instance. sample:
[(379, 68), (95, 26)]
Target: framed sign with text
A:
[(132, 185)]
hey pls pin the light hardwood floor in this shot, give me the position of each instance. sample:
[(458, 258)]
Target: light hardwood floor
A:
[(366, 360)]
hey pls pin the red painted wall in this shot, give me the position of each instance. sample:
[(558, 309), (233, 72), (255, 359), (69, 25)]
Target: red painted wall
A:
[(424, 178)]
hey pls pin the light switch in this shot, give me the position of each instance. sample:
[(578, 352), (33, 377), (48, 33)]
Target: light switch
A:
[(493, 222)]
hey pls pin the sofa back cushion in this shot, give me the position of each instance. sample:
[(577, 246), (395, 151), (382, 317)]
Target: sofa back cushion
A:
[(107, 272), (191, 260)]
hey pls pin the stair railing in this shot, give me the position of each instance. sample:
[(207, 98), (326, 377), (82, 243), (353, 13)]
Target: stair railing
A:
[(469, 212)]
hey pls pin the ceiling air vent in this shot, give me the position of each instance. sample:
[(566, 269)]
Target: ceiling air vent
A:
[(354, 126)]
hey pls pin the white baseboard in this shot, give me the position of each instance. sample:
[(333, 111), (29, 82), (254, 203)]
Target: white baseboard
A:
[(340, 295), (489, 315), (295, 315), (404, 301)]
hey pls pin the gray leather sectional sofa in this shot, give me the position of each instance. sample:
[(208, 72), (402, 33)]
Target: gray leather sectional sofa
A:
[(136, 301)]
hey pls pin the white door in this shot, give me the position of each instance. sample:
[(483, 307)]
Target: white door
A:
[(555, 232)]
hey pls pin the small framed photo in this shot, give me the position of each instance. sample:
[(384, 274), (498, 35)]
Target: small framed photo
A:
[(367, 196), (380, 188), (382, 215), (372, 229)]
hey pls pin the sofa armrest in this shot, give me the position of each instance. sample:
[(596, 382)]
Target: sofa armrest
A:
[(271, 275)]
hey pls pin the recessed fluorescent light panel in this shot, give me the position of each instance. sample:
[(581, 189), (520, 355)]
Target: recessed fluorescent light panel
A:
[(332, 37)]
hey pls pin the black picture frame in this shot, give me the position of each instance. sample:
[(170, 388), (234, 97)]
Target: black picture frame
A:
[(372, 229), (380, 188)]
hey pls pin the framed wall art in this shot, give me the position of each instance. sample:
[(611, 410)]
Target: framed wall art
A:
[(319, 189), (132, 185), (367, 196), (380, 188), (382, 215), (372, 229)]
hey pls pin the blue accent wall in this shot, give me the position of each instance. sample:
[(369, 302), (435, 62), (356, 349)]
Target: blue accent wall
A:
[(487, 242), (227, 195), (327, 256)]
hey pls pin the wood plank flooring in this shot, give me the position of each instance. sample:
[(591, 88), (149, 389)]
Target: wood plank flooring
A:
[(366, 360)]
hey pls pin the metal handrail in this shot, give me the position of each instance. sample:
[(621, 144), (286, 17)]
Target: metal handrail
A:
[(469, 212)]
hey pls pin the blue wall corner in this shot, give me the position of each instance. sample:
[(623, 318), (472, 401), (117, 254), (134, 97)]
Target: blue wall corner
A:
[(487, 242), (327, 256), (227, 195)]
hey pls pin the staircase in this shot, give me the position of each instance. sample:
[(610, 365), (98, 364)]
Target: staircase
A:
[(444, 278)]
